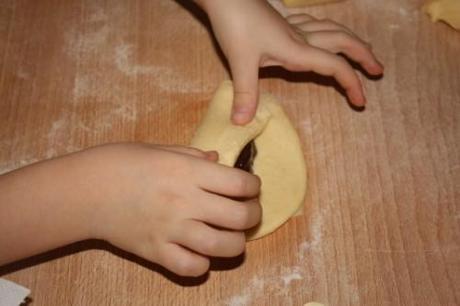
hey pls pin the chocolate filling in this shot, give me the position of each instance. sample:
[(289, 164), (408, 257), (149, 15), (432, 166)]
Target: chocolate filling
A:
[(246, 158)]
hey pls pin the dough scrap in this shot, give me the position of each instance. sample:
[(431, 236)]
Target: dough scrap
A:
[(445, 10), (279, 162), (299, 3)]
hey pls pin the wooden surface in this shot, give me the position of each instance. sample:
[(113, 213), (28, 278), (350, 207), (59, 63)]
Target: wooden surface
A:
[(382, 217)]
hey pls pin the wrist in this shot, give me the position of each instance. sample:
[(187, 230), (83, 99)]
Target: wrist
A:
[(89, 192), (42, 209)]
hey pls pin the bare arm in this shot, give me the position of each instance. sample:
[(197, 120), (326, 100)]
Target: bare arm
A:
[(43, 206), (157, 202)]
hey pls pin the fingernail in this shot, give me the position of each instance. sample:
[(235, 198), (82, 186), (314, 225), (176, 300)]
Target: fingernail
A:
[(212, 155), (240, 116), (358, 99)]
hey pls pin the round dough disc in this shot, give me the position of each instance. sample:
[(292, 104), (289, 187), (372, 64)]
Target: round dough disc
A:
[(279, 161)]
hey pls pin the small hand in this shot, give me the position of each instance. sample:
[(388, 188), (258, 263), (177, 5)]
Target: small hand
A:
[(173, 205), (253, 35)]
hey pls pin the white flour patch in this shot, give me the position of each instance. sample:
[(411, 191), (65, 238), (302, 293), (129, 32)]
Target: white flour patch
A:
[(123, 62), (165, 77), (316, 232), (98, 15), (22, 74), (290, 276), (93, 39), (241, 300), (10, 166), (56, 129), (89, 42), (276, 282), (126, 112), (82, 87), (403, 12), (50, 153)]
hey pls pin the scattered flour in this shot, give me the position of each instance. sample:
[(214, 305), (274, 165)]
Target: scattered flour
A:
[(240, 300), (165, 77), (10, 166), (126, 112), (403, 12), (295, 274), (56, 129), (123, 55), (22, 73), (79, 43), (316, 232), (278, 281), (95, 36), (82, 87), (275, 281), (97, 14)]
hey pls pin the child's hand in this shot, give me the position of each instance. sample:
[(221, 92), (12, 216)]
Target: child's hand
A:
[(171, 205), (252, 35)]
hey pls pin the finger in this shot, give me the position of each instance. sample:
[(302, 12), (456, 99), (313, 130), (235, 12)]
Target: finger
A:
[(299, 18), (212, 156), (228, 213), (203, 239), (307, 58), (226, 181), (209, 155), (182, 261), (352, 47), (245, 90), (323, 25)]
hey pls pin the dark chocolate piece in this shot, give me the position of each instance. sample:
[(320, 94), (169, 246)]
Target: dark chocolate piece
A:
[(246, 158)]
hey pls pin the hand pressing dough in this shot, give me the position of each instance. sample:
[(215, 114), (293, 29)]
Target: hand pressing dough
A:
[(279, 161), (298, 3), (445, 10)]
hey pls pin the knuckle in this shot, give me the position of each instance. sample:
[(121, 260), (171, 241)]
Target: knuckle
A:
[(240, 185), (210, 245), (344, 39), (191, 267), (242, 217)]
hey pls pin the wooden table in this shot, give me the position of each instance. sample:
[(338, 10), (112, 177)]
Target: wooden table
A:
[(382, 216)]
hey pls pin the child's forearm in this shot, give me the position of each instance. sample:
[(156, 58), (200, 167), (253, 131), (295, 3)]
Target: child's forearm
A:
[(42, 207)]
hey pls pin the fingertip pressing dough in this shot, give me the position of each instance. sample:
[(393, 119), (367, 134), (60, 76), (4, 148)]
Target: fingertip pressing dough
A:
[(299, 3), (279, 161), (445, 10)]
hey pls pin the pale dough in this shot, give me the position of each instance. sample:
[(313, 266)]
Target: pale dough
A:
[(298, 3), (313, 304), (279, 161), (445, 10)]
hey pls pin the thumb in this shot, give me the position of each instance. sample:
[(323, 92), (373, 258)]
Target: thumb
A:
[(245, 91)]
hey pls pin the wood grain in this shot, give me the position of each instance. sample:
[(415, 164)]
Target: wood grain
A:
[(381, 224)]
